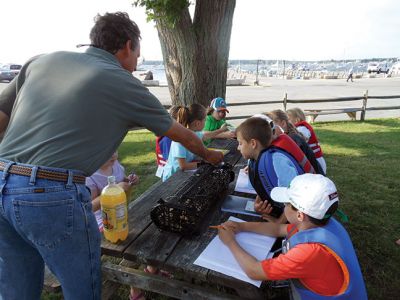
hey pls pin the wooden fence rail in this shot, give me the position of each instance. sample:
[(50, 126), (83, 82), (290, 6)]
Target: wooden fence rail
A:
[(312, 114)]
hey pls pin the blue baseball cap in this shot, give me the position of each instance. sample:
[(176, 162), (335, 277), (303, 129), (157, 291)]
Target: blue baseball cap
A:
[(219, 104)]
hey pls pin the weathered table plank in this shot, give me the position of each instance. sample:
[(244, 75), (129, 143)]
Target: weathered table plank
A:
[(161, 285)]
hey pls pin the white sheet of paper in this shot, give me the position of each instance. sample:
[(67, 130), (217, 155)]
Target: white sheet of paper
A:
[(219, 258), (243, 183)]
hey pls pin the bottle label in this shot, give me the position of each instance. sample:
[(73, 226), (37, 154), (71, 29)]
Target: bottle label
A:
[(115, 218)]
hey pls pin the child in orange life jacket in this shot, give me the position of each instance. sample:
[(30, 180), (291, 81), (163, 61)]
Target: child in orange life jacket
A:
[(297, 117), (192, 117), (269, 166), (281, 119), (317, 256), (215, 119)]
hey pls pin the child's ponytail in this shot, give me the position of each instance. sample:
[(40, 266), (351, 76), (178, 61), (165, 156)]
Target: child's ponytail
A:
[(183, 116)]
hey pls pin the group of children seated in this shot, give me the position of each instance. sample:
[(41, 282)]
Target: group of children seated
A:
[(287, 169)]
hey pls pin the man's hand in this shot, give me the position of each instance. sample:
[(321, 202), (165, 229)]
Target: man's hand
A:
[(214, 157), (263, 207)]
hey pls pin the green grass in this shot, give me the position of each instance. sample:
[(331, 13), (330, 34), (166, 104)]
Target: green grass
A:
[(363, 159)]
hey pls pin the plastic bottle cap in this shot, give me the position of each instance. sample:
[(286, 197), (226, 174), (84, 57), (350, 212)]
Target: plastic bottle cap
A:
[(111, 179)]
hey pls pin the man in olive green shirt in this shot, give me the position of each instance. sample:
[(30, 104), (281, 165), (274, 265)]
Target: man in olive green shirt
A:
[(70, 112)]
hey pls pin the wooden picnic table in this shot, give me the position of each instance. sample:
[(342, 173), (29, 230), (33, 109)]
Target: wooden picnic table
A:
[(146, 244)]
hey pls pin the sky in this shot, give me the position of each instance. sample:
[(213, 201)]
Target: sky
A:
[(262, 29)]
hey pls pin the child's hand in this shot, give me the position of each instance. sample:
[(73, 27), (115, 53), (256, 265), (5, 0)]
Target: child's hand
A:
[(234, 226), (263, 207), (125, 185), (230, 134), (246, 169), (224, 127), (133, 179), (226, 235)]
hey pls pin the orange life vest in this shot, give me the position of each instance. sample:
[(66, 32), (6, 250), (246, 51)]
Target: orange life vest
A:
[(285, 143), (313, 141)]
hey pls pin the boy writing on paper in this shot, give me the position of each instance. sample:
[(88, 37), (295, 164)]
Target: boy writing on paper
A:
[(317, 255)]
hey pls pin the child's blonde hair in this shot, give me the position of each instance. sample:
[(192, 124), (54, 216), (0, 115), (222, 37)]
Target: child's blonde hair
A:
[(296, 113), (280, 115), (173, 111)]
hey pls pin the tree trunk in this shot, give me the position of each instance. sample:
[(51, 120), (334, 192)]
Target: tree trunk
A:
[(196, 52)]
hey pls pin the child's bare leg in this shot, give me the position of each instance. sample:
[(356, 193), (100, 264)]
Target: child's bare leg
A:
[(136, 294)]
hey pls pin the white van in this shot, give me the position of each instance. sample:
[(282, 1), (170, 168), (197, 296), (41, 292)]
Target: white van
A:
[(374, 67)]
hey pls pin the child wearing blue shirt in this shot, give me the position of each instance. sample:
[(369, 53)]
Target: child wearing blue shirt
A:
[(179, 158)]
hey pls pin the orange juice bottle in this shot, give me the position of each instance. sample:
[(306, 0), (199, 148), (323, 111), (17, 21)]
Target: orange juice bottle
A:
[(114, 211)]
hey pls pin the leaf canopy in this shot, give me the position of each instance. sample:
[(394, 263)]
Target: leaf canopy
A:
[(167, 10)]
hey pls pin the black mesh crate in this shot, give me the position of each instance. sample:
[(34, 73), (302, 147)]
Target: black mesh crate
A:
[(185, 210)]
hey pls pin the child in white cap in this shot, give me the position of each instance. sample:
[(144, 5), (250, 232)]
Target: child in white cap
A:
[(317, 255)]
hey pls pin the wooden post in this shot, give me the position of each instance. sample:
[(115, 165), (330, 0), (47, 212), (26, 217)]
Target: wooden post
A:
[(285, 102), (364, 106)]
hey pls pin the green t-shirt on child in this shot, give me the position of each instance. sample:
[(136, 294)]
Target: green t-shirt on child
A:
[(212, 124)]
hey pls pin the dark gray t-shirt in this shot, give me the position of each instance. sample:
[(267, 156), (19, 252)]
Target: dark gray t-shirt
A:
[(72, 110)]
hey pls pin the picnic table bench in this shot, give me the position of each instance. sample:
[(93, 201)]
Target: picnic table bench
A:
[(312, 114), (146, 244)]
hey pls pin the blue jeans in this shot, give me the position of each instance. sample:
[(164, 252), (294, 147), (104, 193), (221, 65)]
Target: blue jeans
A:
[(46, 221)]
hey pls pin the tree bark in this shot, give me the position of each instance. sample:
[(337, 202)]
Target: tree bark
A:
[(196, 52)]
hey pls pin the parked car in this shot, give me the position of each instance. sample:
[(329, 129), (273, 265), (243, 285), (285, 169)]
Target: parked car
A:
[(9, 71), (374, 67)]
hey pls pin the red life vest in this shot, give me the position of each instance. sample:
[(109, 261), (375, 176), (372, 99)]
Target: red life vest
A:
[(313, 141), (160, 159), (285, 143)]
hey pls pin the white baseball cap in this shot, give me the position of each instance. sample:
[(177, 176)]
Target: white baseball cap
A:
[(311, 194), (266, 118), (262, 116)]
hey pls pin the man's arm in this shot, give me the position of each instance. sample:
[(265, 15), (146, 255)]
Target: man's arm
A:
[(191, 141), (3, 122)]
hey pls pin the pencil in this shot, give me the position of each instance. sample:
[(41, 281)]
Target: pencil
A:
[(216, 227)]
